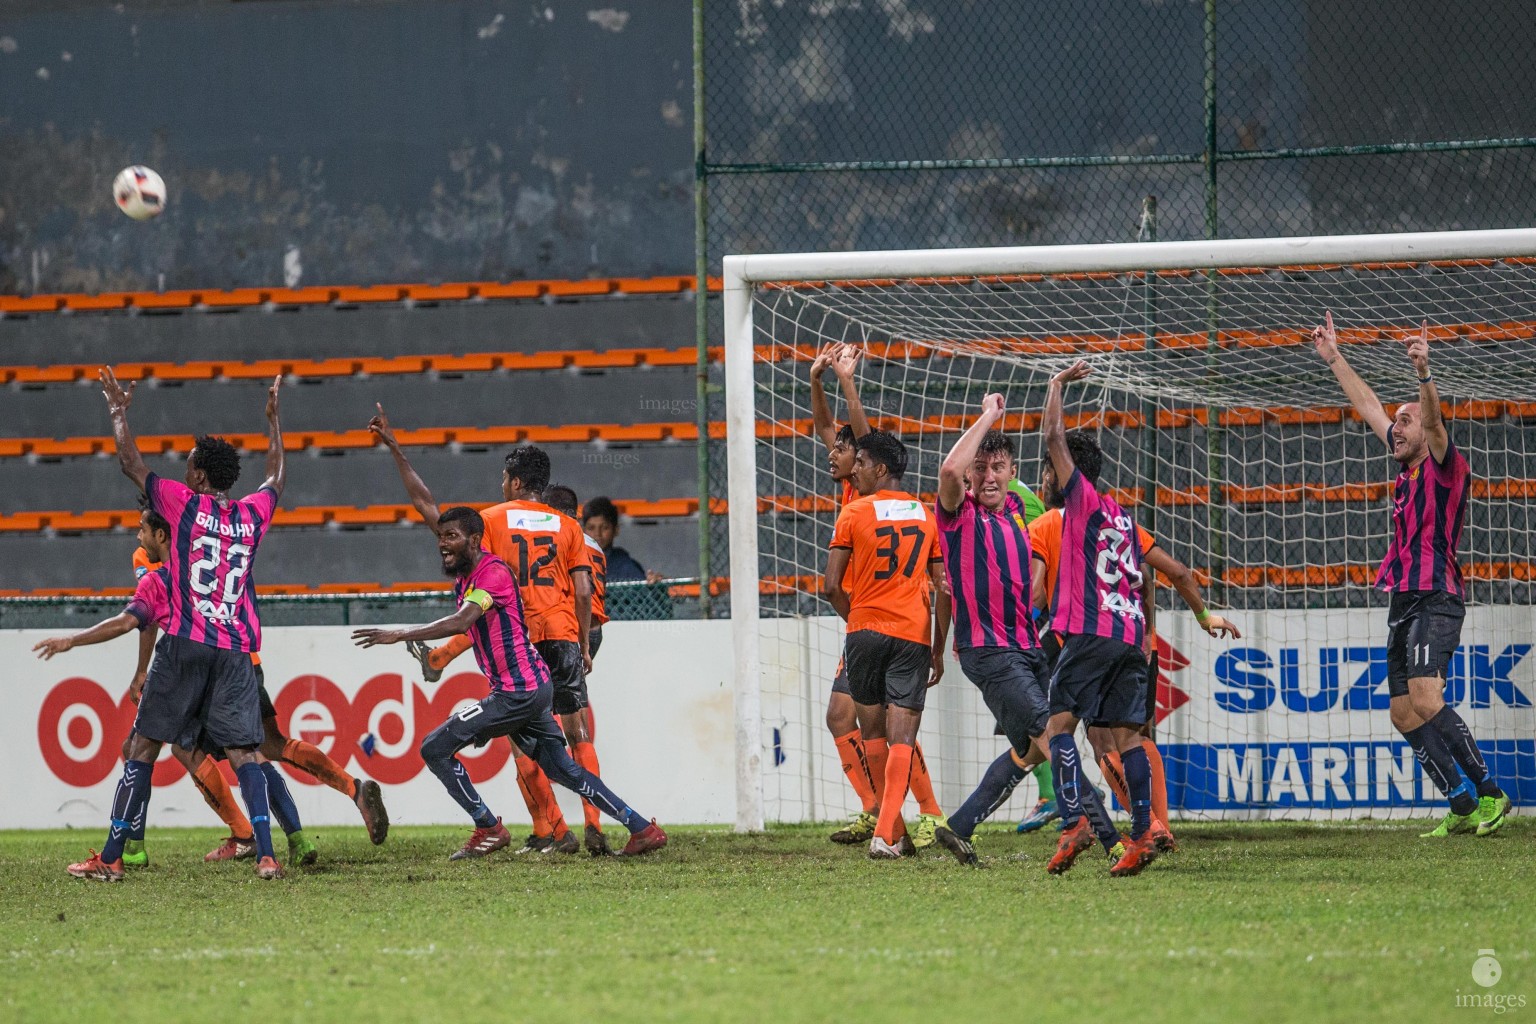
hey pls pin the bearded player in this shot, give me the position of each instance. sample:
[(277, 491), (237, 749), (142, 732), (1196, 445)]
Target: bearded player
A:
[(1423, 577)]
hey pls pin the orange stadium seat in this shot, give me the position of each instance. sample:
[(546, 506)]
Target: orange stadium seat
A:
[(235, 298)]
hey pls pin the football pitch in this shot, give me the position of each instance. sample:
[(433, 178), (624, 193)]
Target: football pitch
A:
[(1273, 922)]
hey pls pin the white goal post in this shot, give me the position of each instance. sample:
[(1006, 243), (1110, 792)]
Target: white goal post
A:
[(747, 277)]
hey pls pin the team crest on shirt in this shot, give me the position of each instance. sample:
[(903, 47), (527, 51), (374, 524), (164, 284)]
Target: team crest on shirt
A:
[(891, 510), (533, 522)]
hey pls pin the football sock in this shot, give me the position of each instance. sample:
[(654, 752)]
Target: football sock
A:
[(253, 790), (997, 784), (1159, 780), (210, 782), (922, 784), (1045, 782), (310, 758), (281, 801), (876, 753), (1114, 776), (440, 752), (898, 771), (585, 754), (130, 807), (441, 656), (1458, 739), (1138, 779), (1068, 788), (561, 768), (1436, 760), (850, 750), (1098, 817)]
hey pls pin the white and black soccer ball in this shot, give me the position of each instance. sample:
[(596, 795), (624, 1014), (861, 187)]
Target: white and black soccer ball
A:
[(140, 192)]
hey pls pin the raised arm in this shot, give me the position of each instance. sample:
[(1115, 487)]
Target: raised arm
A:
[(1184, 582), (821, 412), (449, 625), (118, 400), (420, 497), (106, 629), (1429, 396), (1054, 424), (844, 361), (963, 454), (277, 462), (1326, 340)]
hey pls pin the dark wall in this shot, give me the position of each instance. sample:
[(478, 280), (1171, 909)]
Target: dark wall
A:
[(421, 140)]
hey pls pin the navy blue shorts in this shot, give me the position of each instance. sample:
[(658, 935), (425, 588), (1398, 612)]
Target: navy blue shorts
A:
[(195, 694), (1423, 631), (1100, 680), (1010, 683), (566, 670), (525, 717)]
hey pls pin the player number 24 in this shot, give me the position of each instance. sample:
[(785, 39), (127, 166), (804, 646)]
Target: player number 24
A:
[(892, 550)]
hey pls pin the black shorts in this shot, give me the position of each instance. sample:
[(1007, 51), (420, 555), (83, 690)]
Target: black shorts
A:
[(886, 670), (594, 640), (525, 717), (1423, 631), (196, 693), (1100, 680), (566, 670), (840, 680), (1151, 696), (1010, 683)]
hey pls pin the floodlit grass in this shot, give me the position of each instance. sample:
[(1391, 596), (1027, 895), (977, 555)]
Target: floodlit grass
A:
[(1262, 922)]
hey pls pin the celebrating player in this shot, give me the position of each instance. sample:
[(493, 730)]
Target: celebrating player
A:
[(893, 652), (842, 722), (1101, 672), (1045, 542), (1421, 572), (987, 560), (548, 555), (202, 686), (521, 696)]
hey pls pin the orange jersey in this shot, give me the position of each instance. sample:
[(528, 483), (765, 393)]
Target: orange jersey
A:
[(1045, 544), (142, 565), (599, 580), (893, 538), (848, 492), (543, 548)]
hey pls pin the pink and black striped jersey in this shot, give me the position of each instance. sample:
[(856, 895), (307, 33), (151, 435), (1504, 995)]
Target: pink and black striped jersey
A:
[(502, 648), (1099, 578), (151, 603), (1429, 506), (212, 553), (986, 555)]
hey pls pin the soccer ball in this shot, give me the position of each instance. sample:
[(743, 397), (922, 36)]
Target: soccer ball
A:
[(140, 193)]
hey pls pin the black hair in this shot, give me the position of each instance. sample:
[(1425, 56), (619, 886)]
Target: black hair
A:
[(469, 520), (218, 459), (600, 508), (561, 498), (995, 441), (844, 435), (1087, 456), (156, 522), (530, 465), (886, 450)]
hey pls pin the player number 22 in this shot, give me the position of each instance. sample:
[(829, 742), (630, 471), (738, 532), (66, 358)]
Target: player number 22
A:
[(892, 552), (205, 570)]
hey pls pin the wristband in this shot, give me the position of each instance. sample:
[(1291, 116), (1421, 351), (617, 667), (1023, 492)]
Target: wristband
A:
[(1426, 378), (1203, 616)]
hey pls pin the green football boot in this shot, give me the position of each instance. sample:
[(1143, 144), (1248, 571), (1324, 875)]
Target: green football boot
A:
[(301, 850), (1491, 814), (135, 856), (1452, 824), (927, 826), (858, 831)]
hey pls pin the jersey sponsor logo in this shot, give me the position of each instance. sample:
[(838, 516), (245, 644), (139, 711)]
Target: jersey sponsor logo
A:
[(891, 510), (1250, 680), (533, 522)]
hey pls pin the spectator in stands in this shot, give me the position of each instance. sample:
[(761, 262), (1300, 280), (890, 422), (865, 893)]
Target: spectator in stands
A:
[(600, 518)]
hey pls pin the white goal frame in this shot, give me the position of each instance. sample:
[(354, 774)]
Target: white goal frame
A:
[(742, 272)]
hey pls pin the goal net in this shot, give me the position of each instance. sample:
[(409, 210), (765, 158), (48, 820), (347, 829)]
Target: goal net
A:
[(1224, 434)]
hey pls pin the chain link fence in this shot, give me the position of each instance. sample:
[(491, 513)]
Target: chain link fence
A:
[(885, 124)]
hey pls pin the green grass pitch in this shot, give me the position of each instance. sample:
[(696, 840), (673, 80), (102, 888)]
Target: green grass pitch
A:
[(1262, 922)]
